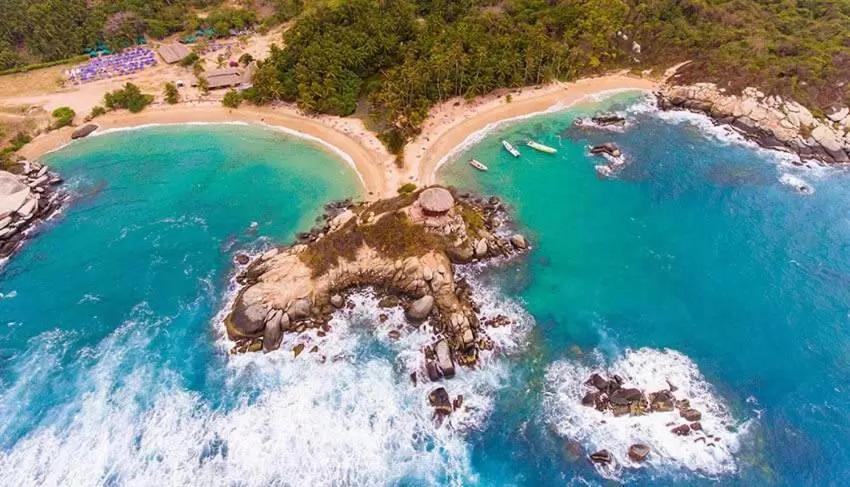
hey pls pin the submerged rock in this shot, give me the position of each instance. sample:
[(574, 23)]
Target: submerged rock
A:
[(606, 148), (603, 457)]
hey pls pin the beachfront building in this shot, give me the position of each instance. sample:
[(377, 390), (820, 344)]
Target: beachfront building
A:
[(173, 53), (223, 78), (228, 78)]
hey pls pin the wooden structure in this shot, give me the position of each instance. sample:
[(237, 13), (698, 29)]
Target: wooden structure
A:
[(173, 53)]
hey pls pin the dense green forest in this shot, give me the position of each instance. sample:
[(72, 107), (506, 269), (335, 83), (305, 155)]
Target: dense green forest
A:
[(36, 31), (405, 55), (397, 58)]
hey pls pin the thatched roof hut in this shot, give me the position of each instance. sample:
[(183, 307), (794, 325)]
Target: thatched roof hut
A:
[(223, 78), (436, 201), (172, 53)]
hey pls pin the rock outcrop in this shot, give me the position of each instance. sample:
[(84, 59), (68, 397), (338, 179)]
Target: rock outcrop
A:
[(25, 199), (611, 395), (84, 131), (770, 121), (399, 247)]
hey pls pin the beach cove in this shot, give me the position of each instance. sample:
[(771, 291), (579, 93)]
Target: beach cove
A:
[(655, 275)]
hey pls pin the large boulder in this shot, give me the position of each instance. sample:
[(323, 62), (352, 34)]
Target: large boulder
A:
[(638, 452), (247, 321), (439, 399), (421, 308), (272, 334), (626, 396), (690, 414), (661, 401), (444, 359), (83, 131), (14, 194), (519, 242), (299, 309)]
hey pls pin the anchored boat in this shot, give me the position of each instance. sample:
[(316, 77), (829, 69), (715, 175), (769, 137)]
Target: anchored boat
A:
[(510, 148), (542, 148), (478, 165)]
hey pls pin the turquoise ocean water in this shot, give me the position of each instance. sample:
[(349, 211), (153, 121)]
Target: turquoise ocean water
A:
[(698, 264)]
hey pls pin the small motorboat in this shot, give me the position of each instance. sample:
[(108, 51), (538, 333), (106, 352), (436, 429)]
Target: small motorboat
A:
[(542, 148), (478, 165), (510, 148)]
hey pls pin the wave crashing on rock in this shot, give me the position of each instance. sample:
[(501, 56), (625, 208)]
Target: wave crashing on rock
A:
[(709, 451)]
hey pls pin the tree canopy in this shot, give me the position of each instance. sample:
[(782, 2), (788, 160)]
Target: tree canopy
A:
[(403, 56)]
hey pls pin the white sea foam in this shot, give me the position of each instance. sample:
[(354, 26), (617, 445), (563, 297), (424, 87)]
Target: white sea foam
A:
[(649, 370), (721, 133), (347, 414), (798, 183)]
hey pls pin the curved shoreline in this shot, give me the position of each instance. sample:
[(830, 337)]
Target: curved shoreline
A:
[(339, 137), (450, 127), (454, 124)]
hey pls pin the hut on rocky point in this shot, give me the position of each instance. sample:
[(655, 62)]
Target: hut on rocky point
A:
[(436, 201)]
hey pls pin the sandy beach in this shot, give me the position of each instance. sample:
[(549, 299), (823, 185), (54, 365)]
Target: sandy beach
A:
[(346, 137), (452, 123), (449, 126)]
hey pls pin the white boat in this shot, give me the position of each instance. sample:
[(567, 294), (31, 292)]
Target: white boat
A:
[(542, 148), (510, 148), (478, 165)]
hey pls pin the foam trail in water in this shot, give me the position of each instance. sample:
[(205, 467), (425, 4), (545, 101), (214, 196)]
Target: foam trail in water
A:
[(649, 370), (347, 413)]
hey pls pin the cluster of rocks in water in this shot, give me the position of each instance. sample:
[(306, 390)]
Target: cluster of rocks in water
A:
[(614, 156), (611, 395), (770, 121), (297, 288), (609, 121), (26, 198)]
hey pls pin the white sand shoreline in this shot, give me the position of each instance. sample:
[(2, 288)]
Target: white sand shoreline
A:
[(480, 134), (349, 161), (451, 127)]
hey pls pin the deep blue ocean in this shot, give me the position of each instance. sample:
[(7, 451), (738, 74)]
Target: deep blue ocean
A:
[(697, 263)]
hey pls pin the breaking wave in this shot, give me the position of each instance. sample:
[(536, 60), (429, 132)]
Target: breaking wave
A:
[(344, 411)]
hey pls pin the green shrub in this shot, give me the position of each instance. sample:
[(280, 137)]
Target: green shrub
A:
[(170, 93), (130, 98), (64, 116), (189, 60), (406, 188), (232, 99), (246, 59), (96, 112)]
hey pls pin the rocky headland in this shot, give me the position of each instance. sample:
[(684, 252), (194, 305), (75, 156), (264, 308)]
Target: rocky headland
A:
[(770, 121), (405, 248), (27, 197)]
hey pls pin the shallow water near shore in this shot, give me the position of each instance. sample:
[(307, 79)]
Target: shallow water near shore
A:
[(698, 263)]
